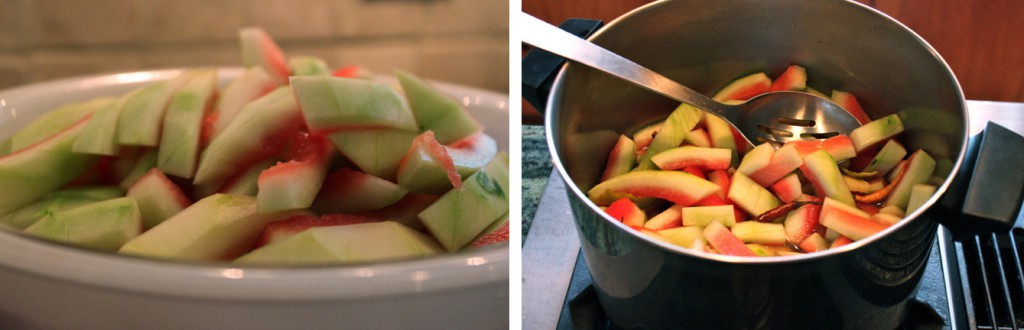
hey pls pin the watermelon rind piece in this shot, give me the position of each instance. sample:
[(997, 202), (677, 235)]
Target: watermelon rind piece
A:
[(142, 117), (257, 132), (427, 167), (55, 121), (294, 184), (246, 183), (436, 111), (178, 153), (102, 225), (672, 133), (472, 153), (356, 243), (887, 158), (919, 169), (99, 134), (31, 173), (58, 201), (687, 156), (252, 84), (216, 228), (158, 198), (259, 49), (331, 103), (461, 214), (496, 233), (756, 159), (876, 131), (374, 151), (683, 236), (620, 159), (308, 66), (143, 163), (750, 196), (703, 215), (676, 186), (349, 191), (744, 87), (760, 232), (825, 170)]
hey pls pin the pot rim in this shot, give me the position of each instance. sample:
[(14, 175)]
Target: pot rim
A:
[(550, 111)]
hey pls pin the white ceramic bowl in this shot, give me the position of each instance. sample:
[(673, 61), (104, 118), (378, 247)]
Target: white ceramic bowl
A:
[(53, 286)]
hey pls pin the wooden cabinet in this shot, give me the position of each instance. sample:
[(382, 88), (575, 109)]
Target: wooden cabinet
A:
[(982, 41)]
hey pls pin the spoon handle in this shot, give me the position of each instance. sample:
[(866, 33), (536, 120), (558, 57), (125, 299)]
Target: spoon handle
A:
[(550, 38)]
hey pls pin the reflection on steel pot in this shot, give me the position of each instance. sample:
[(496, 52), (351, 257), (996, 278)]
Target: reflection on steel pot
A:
[(844, 45)]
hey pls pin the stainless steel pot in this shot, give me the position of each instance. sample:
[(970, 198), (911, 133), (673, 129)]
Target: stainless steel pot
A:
[(702, 44)]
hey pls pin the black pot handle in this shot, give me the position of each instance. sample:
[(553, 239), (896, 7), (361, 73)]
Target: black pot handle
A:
[(986, 194), (540, 66)]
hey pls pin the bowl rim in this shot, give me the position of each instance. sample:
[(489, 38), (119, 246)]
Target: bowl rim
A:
[(576, 192), (221, 281)]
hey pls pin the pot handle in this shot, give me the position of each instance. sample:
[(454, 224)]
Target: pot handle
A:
[(986, 194), (540, 66)]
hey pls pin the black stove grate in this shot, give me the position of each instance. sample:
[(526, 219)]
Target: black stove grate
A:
[(993, 279)]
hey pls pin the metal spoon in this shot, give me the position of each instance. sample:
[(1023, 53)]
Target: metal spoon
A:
[(775, 117)]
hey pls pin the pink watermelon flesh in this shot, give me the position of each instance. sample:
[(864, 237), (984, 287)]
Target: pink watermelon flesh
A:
[(851, 225), (725, 242), (627, 212), (813, 243), (672, 217), (840, 147), (745, 88), (793, 79), (353, 71), (441, 155), (620, 159), (295, 183), (783, 162), (258, 132), (849, 102), (158, 198), (259, 49), (801, 223), (498, 236), (840, 241), (472, 153), (787, 189), (678, 187), (687, 156), (721, 178)]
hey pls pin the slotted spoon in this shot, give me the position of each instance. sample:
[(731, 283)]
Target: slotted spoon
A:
[(775, 117)]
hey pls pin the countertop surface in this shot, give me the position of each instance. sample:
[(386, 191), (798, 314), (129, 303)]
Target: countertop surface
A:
[(541, 186)]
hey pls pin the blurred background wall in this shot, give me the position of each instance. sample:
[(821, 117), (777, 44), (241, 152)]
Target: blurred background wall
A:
[(460, 41)]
